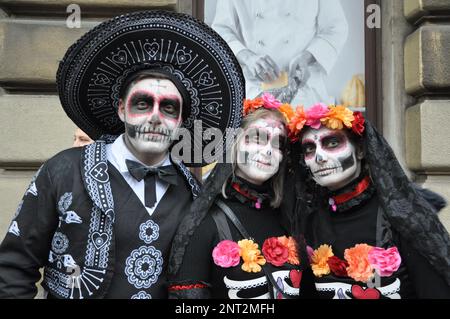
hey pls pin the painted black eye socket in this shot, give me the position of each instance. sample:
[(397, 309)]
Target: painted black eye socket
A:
[(309, 148), (170, 107), (141, 105), (331, 142)]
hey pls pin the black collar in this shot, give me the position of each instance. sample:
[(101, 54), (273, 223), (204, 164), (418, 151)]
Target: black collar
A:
[(352, 195), (254, 195)]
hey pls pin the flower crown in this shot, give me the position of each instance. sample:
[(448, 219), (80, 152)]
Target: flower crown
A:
[(268, 101), (335, 117)]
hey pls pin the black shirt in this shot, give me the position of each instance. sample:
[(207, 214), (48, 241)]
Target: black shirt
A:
[(361, 221), (222, 283)]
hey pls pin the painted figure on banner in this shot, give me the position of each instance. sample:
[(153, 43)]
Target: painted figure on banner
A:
[(286, 49)]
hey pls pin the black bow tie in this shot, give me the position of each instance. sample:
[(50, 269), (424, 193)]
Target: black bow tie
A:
[(148, 174)]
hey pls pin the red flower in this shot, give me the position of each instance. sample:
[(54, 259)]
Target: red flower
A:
[(338, 266), (275, 252), (358, 123)]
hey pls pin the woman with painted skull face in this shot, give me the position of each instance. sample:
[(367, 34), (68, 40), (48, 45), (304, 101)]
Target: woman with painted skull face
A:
[(371, 233), (238, 248)]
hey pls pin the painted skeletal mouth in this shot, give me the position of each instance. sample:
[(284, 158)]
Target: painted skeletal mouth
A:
[(152, 134), (152, 131), (326, 171), (260, 164)]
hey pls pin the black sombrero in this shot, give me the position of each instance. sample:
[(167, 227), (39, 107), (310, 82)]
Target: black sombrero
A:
[(92, 72)]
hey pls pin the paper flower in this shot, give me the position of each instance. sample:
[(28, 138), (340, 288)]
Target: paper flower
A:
[(251, 255), (315, 114), (291, 245), (359, 268), (385, 261), (226, 254), (252, 105), (338, 266), (275, 252), (358, 124), (270, 102), (298, 121), (338, 117), (319, 260), (287, 111)]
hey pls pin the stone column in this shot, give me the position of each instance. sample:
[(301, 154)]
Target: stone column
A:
[(427, 80)]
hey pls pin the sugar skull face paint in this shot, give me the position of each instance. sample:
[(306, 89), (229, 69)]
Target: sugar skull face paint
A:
[(260, 150), (332, 157), (151, 112)]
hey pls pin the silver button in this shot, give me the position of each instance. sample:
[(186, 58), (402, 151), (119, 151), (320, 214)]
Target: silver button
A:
[(286, 41), (288, 14)]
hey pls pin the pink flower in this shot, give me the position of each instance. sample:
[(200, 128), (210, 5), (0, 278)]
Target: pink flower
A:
[(226, 254), (315, 113), (270, 102), (385, 261)]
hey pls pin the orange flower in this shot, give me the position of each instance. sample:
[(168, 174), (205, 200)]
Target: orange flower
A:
[(291, 245), (338, 117), (287, 111), (319, 260), (297, 121), (359, 267), (251, 255), (252, 105)]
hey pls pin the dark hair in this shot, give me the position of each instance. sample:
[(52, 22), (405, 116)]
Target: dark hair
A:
[(162, 75)]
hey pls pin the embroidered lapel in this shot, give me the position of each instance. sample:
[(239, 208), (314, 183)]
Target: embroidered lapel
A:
[(188, 177), (96, 177)]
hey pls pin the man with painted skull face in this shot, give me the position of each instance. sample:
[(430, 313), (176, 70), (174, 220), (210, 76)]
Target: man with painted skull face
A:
[(236, 247), (100, 219), (370, 232)]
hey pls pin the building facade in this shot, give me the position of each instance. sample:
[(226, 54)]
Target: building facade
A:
[(413, 67)]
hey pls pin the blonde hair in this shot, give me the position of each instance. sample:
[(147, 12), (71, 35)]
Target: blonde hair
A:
[(277, 181)]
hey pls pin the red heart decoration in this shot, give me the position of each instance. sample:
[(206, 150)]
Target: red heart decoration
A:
[(296, 277), (360, 293)]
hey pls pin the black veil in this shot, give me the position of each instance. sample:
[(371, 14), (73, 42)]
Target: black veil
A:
[(411, 210), (197, 212)]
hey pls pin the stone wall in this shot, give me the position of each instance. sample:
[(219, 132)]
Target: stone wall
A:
[(33, 38), (427, 80)]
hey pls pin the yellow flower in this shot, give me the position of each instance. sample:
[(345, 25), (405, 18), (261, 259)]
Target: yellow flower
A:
[(287, 111), (319, 260), (251, 255), (338, 117)]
